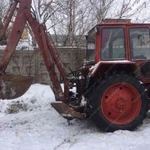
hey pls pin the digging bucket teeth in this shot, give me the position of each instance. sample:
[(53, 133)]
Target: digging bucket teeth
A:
[(66, 111), (14, 86)]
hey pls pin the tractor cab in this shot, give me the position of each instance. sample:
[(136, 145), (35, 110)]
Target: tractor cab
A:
[(111, 41), (119, 41)]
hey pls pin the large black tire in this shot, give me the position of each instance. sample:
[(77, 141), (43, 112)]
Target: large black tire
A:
[(118, 102)]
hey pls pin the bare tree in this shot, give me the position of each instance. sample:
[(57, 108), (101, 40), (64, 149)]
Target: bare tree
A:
[(72, 20), (3, 10), (101, 8), (131, 9), (123, 9)]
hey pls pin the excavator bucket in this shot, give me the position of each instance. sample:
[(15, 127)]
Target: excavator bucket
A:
[(14, 86), (66, 111)]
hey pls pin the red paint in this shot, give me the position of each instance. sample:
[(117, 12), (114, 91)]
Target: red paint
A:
[(121, 103), (50, 57)]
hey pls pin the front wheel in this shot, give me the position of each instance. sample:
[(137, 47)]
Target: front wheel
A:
[(118, 102)]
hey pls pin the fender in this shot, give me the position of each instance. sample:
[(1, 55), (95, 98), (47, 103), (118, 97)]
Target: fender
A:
[(104, 68)]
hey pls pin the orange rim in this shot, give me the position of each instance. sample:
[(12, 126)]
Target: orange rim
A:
[(121, 103)]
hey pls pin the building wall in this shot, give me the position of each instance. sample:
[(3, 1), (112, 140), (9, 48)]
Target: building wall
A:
[(30, 63)]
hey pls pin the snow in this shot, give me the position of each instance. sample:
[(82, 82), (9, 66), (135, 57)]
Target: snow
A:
[(96, 66), (30, 123), (22, 45)]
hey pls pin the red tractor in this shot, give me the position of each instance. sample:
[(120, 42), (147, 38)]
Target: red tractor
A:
[(112, 87), (117, 90)]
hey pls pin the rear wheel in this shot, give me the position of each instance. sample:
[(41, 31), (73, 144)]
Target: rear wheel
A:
[(118, 102)]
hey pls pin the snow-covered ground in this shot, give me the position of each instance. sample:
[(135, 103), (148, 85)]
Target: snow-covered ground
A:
[(30, 123)]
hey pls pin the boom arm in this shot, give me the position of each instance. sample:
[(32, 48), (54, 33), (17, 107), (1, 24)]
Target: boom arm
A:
[(50, 56)]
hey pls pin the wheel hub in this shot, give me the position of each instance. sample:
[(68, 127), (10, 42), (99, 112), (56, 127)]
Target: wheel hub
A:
[(121, 103)]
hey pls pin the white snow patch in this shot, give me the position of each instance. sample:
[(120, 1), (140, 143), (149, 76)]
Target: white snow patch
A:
[(40, 127), (22, 45)]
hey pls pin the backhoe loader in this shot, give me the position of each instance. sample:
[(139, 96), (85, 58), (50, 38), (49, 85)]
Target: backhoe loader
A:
[(112, 87)]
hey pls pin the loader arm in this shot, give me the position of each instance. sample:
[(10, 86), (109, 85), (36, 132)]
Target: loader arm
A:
[(50, 57)]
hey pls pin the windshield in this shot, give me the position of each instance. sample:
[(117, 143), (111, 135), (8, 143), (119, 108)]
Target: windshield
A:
[(113, 44), (90, 53), (140, 43)]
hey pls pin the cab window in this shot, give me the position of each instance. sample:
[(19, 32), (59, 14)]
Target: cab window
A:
[(113, 44), (90, 53), (139, 43)]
